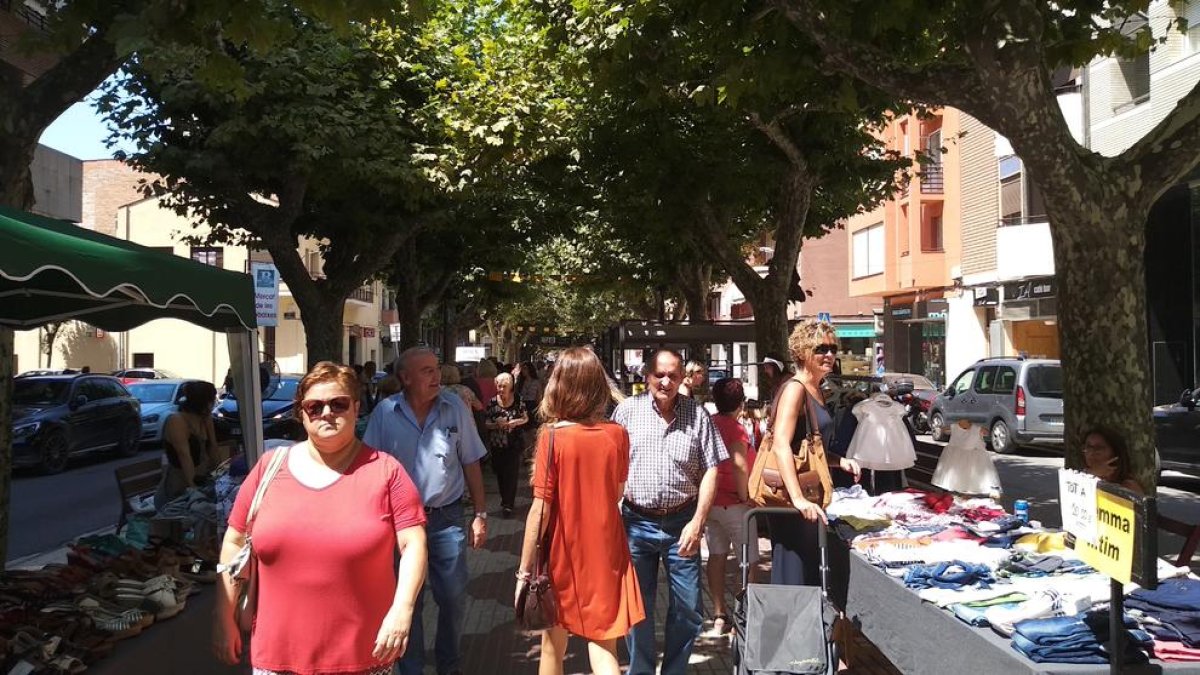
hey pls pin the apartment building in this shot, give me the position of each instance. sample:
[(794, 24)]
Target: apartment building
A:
[(1125, 99), (906, 253)]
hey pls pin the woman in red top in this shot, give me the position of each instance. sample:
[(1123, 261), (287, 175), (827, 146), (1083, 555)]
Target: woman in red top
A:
[(726, 520), (590, 568), (325, 536)]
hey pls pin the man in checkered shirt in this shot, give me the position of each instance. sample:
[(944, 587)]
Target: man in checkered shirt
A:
[(674, 450)]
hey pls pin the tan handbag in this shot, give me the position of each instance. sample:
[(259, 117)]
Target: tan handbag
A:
[(243, 569), (766, 484), (536, 605)]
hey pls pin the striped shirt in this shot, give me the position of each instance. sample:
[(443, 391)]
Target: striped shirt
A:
[(667, 461)]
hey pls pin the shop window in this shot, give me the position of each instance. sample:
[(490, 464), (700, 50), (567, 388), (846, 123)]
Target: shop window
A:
[(213, 256), (868, 251), (143, 360)]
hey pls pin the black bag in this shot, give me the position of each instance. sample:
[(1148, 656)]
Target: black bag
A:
[(536, 607)]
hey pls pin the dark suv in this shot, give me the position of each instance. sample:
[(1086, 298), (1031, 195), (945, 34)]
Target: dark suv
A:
[(57, 416)]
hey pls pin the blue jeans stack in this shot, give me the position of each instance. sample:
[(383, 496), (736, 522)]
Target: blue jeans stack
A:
[(1174, 610), (953, 574), (1077, 639)]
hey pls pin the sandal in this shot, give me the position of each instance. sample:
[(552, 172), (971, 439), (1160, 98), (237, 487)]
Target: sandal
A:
[(721, 624)]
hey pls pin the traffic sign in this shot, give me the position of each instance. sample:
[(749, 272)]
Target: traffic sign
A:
[(825, 316)]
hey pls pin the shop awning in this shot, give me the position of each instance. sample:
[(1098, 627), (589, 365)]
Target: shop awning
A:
[(52, 270), (855, 330)]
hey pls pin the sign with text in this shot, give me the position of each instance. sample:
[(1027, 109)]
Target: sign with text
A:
[(1077, 497), (266, 293), (394, 331), (1113, 552)]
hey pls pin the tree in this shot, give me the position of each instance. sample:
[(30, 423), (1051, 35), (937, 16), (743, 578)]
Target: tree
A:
[(995, 62), (89, 40), (50, 333), (716, 128), (330, 138)]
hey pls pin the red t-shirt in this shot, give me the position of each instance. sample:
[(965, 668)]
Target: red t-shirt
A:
[(732, 432), (325, 562)]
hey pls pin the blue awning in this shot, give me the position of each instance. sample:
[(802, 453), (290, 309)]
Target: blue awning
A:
[(855, 330)]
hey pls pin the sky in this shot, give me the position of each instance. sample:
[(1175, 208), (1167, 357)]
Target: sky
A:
[(79, 132)]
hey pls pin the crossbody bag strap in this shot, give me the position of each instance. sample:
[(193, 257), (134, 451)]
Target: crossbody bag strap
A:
[(277, 460)]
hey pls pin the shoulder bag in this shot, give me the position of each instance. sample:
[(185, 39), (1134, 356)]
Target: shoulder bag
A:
[(243, 569), (766, 484), (537, 608)]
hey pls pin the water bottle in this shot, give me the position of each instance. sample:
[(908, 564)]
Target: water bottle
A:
[(1021, 510)]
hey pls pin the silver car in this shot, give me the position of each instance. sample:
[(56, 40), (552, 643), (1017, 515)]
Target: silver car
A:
[(1019, 401)]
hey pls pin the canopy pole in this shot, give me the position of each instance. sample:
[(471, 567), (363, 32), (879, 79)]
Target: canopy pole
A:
[(243, 360), (7, 359)]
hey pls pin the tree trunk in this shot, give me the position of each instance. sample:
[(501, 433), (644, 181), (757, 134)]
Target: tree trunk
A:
[(770, 318), (1099, 249), (323, 330), (6, 390), (449, 334), (16, 181), (409, 309)]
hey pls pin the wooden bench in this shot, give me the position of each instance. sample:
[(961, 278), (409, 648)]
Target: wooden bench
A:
[(136, 480), (1190, 534)]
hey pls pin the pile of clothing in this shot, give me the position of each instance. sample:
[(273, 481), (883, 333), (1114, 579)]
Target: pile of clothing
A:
[(990, 569)]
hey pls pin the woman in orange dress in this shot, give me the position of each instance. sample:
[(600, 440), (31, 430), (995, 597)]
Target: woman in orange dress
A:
[(590, 568)]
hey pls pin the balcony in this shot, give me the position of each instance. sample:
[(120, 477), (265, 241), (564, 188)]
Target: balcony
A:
[(24, 12), (932, 179), (1024, 248), (364, 294)]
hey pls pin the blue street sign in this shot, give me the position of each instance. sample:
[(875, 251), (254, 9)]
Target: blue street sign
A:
[(825, 316)]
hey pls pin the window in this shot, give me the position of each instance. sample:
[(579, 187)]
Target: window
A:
[(1044, 381), (931, 228), (902, 230), (1130, 82), (1006, 380), (143, 360), (985, 381), (868, 251), (213, 256), (963, 382), (1020, 200), (111, 389)]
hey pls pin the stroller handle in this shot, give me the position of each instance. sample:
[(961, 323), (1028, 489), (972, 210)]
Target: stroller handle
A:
[(822, 541)]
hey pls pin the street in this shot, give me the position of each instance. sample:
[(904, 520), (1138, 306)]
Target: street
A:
[(48, 511)]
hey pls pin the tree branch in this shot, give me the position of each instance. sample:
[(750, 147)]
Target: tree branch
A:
[(1166, 154), (730, 257), (74, 76)]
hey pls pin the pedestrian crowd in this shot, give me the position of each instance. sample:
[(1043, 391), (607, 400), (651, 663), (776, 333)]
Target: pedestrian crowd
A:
[(348, 535)]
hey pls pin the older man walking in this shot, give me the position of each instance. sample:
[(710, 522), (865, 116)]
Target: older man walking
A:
[(674, 451), (432, 433)]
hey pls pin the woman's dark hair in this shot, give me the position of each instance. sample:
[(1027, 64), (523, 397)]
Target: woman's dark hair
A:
[(1120, 449), (197, 397), (728, 394)]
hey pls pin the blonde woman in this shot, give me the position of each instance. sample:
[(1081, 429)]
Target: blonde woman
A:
[(590, 566), (813, 346), (506, 419)]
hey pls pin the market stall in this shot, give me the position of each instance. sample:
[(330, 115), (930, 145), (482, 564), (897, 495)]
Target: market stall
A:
[(949, 584), (53, 270)]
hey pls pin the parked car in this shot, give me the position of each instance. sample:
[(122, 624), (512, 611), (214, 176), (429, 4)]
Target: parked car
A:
[(44, 371), (1177, 434), (131, 375), (277, 406), (1019, 401), (58, 416), (159, 399)]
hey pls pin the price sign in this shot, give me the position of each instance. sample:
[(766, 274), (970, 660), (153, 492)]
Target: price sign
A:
[(1077, 496)]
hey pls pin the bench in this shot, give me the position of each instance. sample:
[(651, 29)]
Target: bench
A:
[(136, 480), (1190, 534)]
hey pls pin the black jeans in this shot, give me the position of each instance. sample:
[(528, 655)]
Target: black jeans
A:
[(506, 462)]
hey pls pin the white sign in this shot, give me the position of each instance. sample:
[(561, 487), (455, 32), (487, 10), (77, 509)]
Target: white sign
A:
[(266, 293), (1077, 496), (394, 331)]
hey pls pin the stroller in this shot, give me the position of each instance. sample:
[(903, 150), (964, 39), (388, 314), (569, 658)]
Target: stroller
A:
[(783, 630)]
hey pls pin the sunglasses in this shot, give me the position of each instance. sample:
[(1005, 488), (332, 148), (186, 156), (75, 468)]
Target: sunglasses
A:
[(822, 350), (315, 407)]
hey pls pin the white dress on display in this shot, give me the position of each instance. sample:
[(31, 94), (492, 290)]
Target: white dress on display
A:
[(881, 442), (965, 465)]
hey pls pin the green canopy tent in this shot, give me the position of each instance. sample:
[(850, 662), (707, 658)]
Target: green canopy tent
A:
[(52, 270)]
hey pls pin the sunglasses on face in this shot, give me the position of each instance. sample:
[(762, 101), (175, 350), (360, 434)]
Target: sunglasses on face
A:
[(315, 407), (822, 350)]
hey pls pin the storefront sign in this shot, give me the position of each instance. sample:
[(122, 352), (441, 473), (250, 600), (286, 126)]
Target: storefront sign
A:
[(394, 331), (1030, 290), (1077, 497), (1113, 552), (986, 297), (368, 332), (266, 293)]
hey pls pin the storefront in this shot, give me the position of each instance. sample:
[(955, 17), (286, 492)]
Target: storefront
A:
[(914, 337), (1029, 311)]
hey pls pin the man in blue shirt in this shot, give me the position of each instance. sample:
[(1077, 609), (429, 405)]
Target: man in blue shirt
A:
[(433, 434)]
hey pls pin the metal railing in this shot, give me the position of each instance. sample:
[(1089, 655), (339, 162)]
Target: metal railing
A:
[(933, 179), (25, 13), (1011, 221), (363, 294)]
